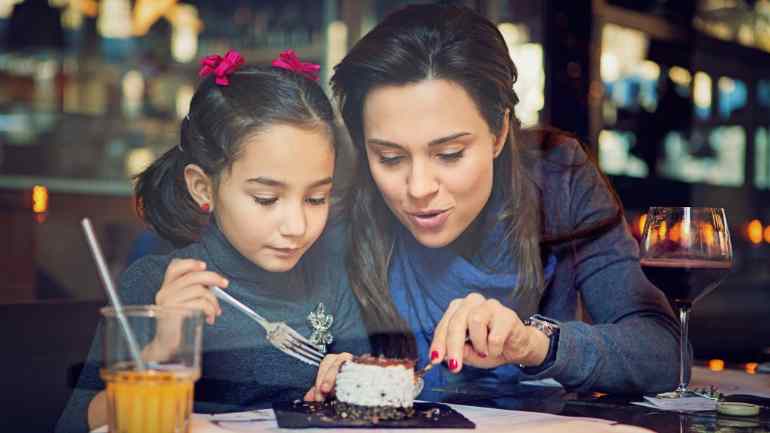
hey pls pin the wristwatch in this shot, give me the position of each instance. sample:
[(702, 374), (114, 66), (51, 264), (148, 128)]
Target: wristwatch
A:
[(550, 328), (547, 326)]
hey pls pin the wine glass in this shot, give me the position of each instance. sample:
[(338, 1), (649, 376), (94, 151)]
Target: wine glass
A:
[(686, 252)]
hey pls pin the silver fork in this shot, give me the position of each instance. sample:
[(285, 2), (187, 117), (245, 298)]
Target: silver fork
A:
[(279, 334)]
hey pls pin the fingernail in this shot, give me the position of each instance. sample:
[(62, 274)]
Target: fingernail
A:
[(225, 282), (453, 364), (434, 355), (202, 265)]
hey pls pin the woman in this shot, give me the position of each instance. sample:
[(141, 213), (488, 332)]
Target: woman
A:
[(465, 226)]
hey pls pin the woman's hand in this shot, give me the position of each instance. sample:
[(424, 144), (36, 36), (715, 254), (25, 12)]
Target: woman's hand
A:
[(327, 376), (486, 334), (187, 283)]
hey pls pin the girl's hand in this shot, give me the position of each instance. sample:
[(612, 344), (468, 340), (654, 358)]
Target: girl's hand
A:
[(187, 283), (485, 334), (327, 376)]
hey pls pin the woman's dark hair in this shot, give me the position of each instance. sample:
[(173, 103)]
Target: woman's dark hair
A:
[(220, 118), (413, 44)]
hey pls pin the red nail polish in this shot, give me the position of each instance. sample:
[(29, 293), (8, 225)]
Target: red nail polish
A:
[(453, 364), (434, 355)]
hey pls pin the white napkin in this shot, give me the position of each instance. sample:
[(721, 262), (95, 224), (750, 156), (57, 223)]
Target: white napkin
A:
[(683, 404)]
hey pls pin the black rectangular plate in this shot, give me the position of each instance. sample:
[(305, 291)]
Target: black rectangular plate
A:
[(307, 415)]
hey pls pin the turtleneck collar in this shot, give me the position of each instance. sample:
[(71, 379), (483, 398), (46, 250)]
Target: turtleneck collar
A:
[(234, 266)]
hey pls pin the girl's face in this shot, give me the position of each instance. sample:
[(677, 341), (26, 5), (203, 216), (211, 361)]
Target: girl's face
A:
[(274, 201), (430, 153)]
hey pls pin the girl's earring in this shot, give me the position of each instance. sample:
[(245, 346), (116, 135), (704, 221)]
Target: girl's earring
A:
[(205, 208)]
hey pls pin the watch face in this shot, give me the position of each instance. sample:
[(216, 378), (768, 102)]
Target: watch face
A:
[(546, 327)]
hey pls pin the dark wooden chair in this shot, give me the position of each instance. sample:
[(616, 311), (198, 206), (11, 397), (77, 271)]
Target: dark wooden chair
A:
[(43, 345)]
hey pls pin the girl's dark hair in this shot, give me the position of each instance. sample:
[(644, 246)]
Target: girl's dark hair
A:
[(413, 44), (220, 118)]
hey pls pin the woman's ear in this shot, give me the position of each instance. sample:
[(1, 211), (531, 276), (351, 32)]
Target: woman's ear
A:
[(200, 186), (502, 137)]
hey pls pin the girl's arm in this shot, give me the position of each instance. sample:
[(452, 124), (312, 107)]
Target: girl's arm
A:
[(97, 411)]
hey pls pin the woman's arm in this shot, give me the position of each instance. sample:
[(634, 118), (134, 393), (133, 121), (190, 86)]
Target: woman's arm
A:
[(632, 343)]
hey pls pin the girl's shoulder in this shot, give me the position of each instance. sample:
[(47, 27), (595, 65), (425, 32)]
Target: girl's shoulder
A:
[(142, 279)]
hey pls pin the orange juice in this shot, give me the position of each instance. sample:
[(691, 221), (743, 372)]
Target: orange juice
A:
[(150, 401)]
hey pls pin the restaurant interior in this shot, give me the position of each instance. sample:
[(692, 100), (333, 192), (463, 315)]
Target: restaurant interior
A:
[(671, 96)]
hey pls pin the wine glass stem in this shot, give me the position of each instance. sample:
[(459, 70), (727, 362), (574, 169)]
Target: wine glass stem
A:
[(684, 315)]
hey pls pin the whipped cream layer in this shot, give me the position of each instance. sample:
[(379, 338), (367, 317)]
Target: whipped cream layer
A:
[(376, 385)]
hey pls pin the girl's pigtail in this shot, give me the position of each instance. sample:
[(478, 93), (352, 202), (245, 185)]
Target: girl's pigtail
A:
[(163, 201)]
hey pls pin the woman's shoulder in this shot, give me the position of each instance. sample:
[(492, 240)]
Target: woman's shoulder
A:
[(572, 188), (554, 148)]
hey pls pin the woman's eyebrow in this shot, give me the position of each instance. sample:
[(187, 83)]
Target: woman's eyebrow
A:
[(434, 142)]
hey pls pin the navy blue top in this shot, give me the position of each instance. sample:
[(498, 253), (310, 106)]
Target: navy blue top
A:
[(240, 369)]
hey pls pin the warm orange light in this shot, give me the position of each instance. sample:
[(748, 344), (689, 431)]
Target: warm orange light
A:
[(716, 365), (39, 199), (642, 221), (89, 7), (751, 367), (755, 232), (767, 234), (707, 232), (662, 230), (675, 234), (147, 12)]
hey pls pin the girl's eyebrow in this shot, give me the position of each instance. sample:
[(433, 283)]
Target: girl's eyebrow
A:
[(434, 142), (274, 182)]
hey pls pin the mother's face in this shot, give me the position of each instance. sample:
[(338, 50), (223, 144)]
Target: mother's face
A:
[(431, 155)]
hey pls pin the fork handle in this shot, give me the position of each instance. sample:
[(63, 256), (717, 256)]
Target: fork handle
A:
[(221, 294)]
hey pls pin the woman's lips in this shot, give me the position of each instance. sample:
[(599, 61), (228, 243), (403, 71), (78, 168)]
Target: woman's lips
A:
[(429, 220)]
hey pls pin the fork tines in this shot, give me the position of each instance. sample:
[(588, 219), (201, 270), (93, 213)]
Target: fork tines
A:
[(294, 344)]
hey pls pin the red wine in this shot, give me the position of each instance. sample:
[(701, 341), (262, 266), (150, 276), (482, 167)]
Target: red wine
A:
[(684, 281)]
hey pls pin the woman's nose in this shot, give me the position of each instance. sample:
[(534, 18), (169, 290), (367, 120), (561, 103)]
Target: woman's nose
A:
[(421, 182)]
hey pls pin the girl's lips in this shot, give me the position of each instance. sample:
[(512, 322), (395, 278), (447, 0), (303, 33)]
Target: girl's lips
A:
[(285, 252), (429, 220)]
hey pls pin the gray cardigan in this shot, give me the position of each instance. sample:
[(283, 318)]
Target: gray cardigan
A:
[(632, 343), (240, 369)]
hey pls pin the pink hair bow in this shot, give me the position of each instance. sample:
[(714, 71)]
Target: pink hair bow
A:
[(288, 60), (222, 67)]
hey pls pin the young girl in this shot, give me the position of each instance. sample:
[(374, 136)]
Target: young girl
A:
[(466, 227), (248, 192)]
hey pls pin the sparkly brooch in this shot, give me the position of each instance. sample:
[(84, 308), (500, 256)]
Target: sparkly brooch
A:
[(321, 324)]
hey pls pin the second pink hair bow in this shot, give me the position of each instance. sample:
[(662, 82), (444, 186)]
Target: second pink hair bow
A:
[(222, 67), (288, 60)]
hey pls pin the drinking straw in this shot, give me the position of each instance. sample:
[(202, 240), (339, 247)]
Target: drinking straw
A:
[(104, 274)]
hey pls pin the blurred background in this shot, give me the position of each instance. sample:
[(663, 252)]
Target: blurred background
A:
[(672, 95)]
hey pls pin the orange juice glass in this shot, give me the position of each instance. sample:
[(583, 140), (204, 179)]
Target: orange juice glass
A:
[(159, 397)]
